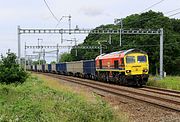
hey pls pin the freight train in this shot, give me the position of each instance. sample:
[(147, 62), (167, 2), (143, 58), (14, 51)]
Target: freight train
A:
[(126, 67)]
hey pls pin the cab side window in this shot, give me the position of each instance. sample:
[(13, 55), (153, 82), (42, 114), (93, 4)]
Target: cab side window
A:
[(116, 64), (100, 64)]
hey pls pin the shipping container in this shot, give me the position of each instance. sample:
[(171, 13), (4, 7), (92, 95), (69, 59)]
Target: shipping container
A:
[(61, 68), (39, 68), (53, 68), (35, 68), (89, 67), (43, 68), (31, 67), (49, 68), (75, 67), (28, 67), (46, 67)]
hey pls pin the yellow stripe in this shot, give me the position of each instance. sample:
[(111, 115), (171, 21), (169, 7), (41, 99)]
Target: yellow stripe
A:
[(110, 70)]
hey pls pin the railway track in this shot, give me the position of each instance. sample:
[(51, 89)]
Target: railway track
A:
[(160, 97), (161, 91)]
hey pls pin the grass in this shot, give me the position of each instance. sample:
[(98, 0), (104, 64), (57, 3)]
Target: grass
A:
[(34, 100), (169, 82)]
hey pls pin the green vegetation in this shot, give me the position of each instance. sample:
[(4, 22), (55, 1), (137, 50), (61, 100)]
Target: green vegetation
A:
[(39, 62), (53, 62), (66, 57), (148, 43), (32, 101), (170, 82), (10, 72)]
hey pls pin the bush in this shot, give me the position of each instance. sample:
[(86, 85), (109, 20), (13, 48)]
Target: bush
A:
[(10, 71)]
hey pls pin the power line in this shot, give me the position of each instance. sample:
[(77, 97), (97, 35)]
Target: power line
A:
[(152, 45), (139, 20), (58, 20), (172, 11), (153, 5), (174, 14), (51, 11)]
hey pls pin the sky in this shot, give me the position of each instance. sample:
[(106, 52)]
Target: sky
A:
[(85, 14)]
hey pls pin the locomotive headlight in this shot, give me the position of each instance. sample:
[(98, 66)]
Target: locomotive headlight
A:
[(145, 70), (128, 71)]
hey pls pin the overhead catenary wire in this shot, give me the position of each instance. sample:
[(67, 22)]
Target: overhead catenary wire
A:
[(54, 16), (174, 14), (172, 11), (153, 5), (152, 45), (51, 11), (139, 20)]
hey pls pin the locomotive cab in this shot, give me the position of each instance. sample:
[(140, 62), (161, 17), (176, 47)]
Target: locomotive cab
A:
[(136, 64), (136, 67)]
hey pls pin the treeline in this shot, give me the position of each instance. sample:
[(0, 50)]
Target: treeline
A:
[(148, 43)]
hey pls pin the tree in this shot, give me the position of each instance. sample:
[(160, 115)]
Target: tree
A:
[(39, 62), (10, 72), (53, 62), (66, 57)]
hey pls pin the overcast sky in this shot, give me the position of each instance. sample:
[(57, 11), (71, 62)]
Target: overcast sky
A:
[(85, 14)]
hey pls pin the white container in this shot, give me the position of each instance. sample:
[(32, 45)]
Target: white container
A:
[(75, 67), (33, 67), (53, 67), (46, 67), (39, 67)]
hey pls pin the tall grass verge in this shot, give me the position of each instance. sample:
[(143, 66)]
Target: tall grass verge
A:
[(32, 101), (169, 82)]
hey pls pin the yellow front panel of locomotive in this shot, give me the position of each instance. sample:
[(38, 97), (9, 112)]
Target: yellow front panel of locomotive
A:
[(136, 64)]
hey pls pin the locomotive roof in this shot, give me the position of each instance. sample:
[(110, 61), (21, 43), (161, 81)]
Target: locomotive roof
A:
[(117, 54)]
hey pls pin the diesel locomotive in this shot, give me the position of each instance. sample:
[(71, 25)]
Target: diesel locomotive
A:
[(124, 67)]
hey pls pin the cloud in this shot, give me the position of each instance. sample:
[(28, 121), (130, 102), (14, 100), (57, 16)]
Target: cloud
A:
[(92, 11)]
